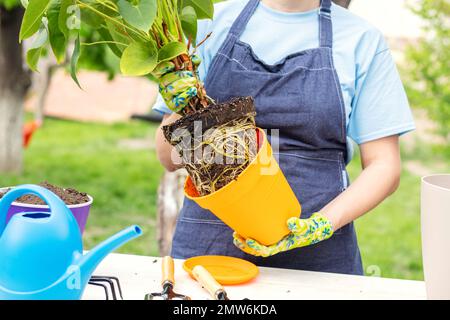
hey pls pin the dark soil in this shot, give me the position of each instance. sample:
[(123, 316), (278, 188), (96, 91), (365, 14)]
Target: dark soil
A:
[(212, 169), (212, 116), (70, 196), (224, 171)]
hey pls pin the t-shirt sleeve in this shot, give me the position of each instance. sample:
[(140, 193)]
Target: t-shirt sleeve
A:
[(202, 31), (380, 107), (160, 105)]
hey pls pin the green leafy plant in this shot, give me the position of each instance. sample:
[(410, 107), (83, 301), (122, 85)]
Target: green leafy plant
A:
[(146, 35), (141, 33), (428, 68)]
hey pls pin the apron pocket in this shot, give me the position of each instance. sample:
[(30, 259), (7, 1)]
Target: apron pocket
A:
[(315, 180), (191, 212)]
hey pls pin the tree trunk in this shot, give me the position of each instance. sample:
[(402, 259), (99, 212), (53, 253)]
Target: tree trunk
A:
[(42, 81), (342, 3), (170, 201), (14, 82)]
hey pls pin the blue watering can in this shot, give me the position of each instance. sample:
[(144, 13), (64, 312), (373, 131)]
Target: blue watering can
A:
[(41, 253)]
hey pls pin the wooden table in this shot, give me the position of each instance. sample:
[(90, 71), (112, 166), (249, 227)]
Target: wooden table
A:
[(140, 274)]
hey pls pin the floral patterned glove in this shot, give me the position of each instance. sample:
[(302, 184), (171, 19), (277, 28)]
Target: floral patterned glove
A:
[(304, 232), (176, 87)]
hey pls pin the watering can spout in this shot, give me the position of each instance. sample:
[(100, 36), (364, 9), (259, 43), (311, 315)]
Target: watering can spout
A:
[(91, 260)]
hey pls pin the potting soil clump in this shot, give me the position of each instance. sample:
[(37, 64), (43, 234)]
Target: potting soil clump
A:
[(70, 196), (216, 143)]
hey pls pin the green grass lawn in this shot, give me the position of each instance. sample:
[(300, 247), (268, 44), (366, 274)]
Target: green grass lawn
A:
[(110, 163), (389, 235), (100, 160)]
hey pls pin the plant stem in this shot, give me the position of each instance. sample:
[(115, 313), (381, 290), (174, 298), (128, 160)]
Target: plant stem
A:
[(109, 5), (201, 42), (82, 4), (102, 42)]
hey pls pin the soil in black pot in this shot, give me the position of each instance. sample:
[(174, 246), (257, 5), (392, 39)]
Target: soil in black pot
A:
[(70, 196)]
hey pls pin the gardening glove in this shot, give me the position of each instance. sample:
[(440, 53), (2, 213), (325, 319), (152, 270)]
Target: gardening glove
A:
[(177, 87), (304, 232)]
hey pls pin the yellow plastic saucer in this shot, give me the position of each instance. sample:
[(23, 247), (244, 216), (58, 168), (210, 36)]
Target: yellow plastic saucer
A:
[(226, 270)]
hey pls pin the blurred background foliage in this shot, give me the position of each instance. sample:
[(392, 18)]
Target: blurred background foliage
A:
[(427, 71)]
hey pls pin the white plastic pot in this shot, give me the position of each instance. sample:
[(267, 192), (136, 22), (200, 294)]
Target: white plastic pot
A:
[(435, 218)]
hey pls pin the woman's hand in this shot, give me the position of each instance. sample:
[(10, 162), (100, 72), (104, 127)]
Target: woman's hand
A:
[(166, 153), (304, 232), (176, 87)]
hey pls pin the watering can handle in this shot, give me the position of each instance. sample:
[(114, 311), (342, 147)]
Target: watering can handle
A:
[(55, 203)]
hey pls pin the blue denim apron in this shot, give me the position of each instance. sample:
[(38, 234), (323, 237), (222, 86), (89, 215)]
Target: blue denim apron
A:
[(300, 99)]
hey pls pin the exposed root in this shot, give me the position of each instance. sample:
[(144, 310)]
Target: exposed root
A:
[(216, 157), (215, 143)]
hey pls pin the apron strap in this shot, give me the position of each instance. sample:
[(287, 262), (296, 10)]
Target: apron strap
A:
[(325, 26), (240, 23), (238, 27)]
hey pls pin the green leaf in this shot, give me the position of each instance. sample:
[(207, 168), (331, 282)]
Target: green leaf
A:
[(188, 19), (106, 36), (37, 48), (171, 50), (67, 17), (139, 59), (91, 18), (33, 56), (32, 18), (203, 8), (74, 61), (57, 39), (140, 16), (152, 78), (118, 34)]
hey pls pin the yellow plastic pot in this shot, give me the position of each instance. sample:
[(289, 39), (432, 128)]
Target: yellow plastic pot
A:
[(258, 203)]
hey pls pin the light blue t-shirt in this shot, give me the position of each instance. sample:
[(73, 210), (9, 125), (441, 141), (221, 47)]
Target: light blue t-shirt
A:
[(375, 101)]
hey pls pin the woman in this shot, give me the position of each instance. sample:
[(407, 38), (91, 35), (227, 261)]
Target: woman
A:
[(320, 76)]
